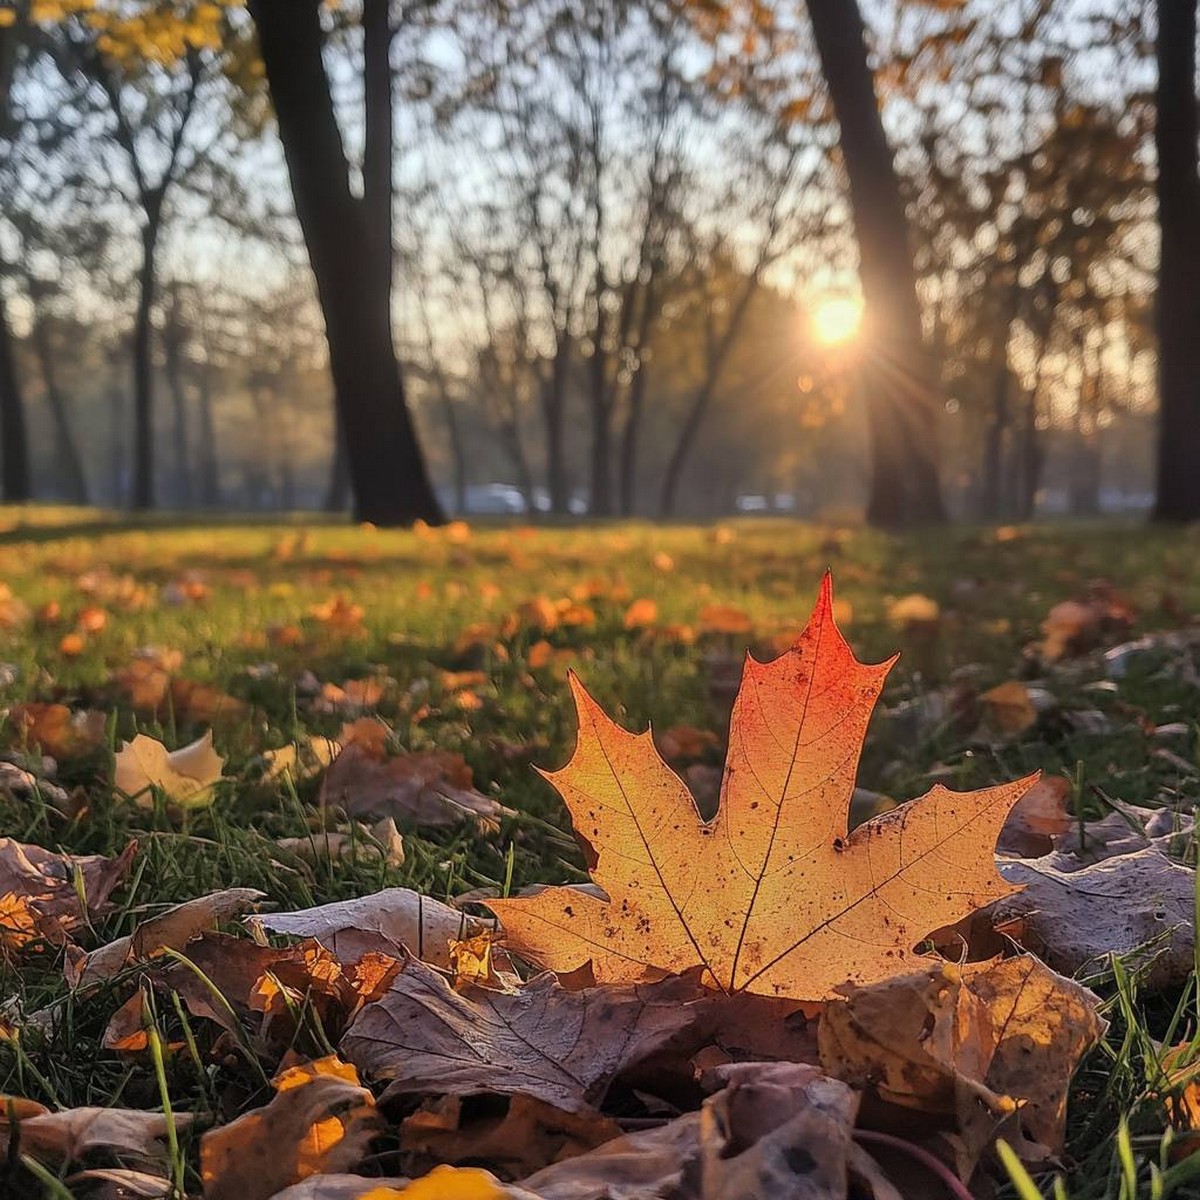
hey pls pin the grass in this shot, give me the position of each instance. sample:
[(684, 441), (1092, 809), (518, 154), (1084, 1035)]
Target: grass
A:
[(242, 603)]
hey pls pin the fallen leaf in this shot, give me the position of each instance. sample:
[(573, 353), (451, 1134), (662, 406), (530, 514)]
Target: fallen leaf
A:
[(561, 1047), (117, 1183), (381, 841), (978, 1044), (915, 613), (38, 893), (777, 1130), (640, 613), (170, 930), (386, 921), (527, 1136), (68, 1135), (432, 788), (1037, 818), (186, 775), (319, 1121), (442, 1183), (58, 730), (724, 619), (774, 895), (1138, 906), (1008, 708)]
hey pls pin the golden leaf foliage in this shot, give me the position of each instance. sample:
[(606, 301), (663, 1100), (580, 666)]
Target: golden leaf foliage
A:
[(775, 895)]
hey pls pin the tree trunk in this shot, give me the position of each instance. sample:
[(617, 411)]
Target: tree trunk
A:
[(901, 381), (210, 472), (143, 367), (1178, 299), (717, 352), (458, 452), (172, 339), (630, 434), (554, 394), (391, 485), (73, 476), (339, 496), (14, 451)]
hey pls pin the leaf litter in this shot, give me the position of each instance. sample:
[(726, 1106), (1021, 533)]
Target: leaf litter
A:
[(742, 984)]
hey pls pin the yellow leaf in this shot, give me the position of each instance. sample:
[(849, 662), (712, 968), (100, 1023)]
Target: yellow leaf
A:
[(186, 775)]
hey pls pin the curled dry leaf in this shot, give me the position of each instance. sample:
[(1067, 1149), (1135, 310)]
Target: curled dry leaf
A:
[(381, 840), (117, 1183), (170, 930), (561, 1047), (58, 730), (525, 1137), (319, 1121), (186, 775), (774, 895), (1037, 818), (1138, 906), (55, 1137), (386, 921), (776, 1130), (976, 1043), (430, 787), (442, 1183), (300, 761), (38, 893)]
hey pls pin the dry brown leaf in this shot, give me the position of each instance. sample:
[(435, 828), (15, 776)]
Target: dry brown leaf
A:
[(777, 1130), (442, 1183), (186, 775), (58, 730), (117, 1183), (978, 1043), (319, 1121), (67, 1136), (385, 921), (561, 1047), (725, 619), (170, 930), (1008, 708), (379, 841), (430, 787), (774, 895), (1139, 906), (38, 895), (1037, 818), (527, 1136)]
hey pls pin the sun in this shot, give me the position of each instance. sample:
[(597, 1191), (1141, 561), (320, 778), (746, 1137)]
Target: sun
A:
[(836, 319)]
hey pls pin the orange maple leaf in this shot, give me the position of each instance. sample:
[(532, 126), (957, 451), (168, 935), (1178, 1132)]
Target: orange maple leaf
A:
[(775, 895)]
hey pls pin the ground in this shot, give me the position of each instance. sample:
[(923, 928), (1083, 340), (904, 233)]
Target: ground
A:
[(470, 631)]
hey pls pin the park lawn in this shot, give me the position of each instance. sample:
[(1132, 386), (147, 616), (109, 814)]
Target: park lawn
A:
[(268, 611)]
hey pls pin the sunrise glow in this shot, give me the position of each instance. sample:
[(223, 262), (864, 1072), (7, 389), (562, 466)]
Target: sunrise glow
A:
[(836, 319)]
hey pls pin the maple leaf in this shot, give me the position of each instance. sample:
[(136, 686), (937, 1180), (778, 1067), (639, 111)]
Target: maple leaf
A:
[(775, 895)]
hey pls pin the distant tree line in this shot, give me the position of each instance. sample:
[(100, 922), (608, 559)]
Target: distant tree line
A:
[(371, 254)]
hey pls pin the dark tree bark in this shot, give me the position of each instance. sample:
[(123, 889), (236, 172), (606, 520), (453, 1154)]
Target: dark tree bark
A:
[(899, 378), (718, 349), (342, 235), (554, 402), (70, 465), (206, 451), (339, 496), (1178, 300), (630, 433), (173, 339), (16, 484), (143, 367), (14, 435)]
